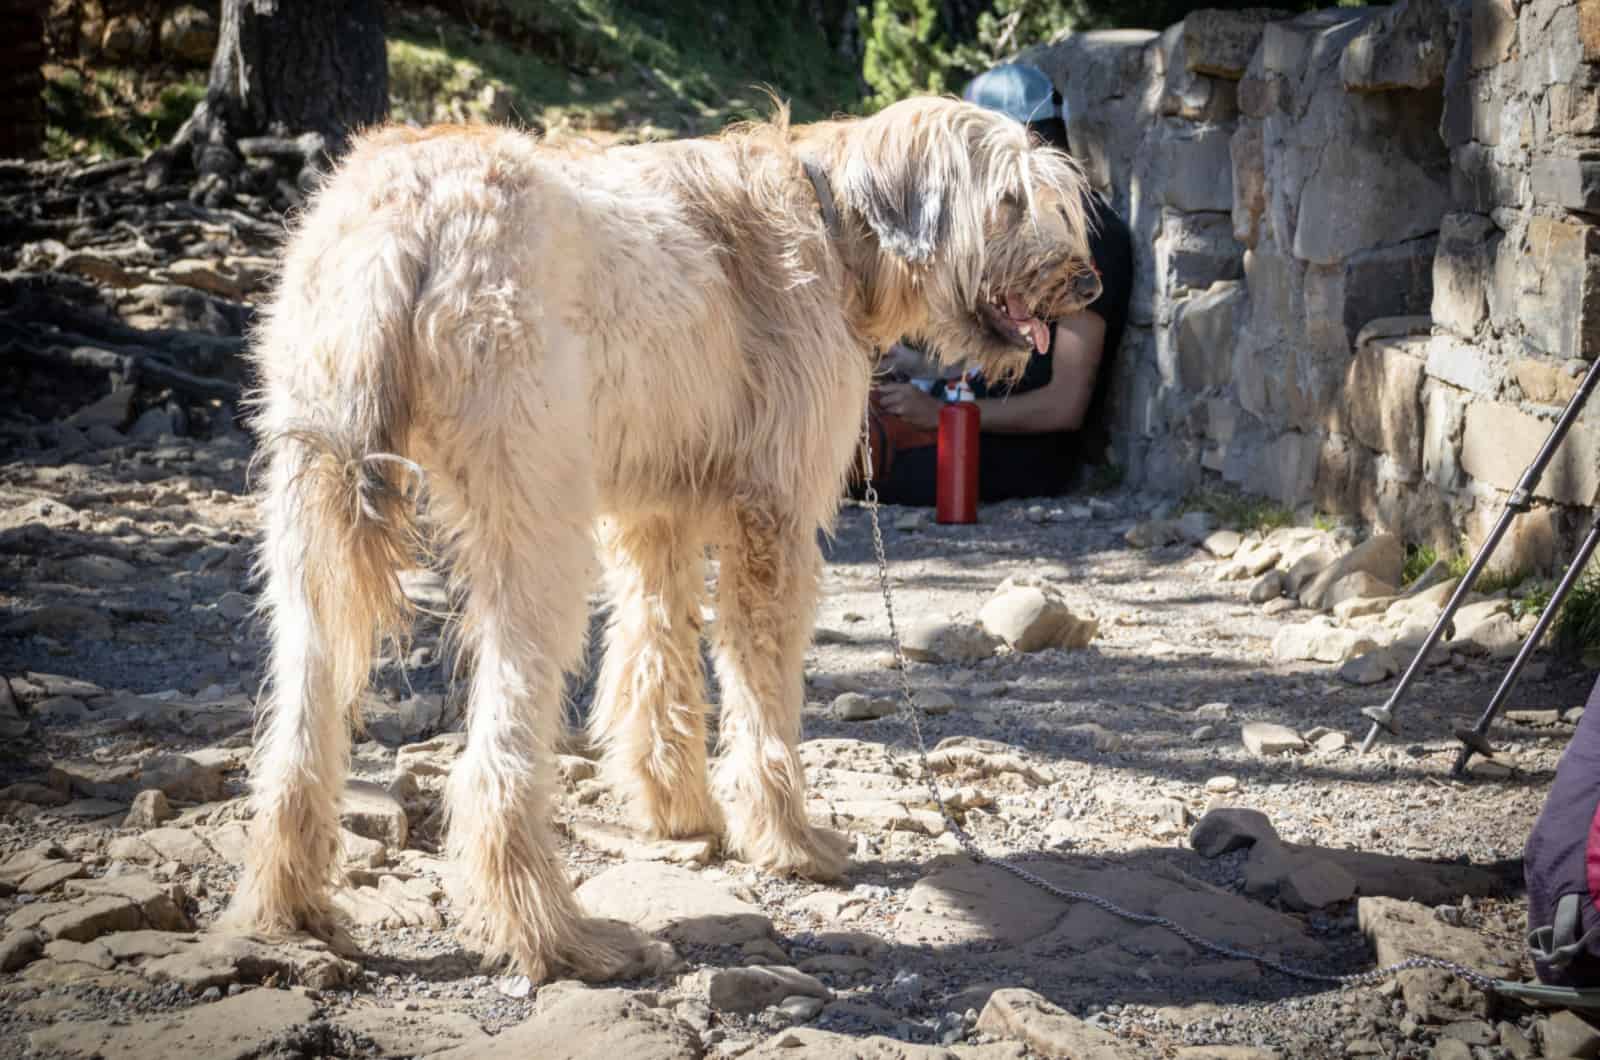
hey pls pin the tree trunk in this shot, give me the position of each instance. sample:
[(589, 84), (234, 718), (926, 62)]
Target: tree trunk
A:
[(285, 67), (21, 83), (301, 73)]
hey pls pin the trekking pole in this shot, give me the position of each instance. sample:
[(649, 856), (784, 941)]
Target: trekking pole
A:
[(1476, 739), (1520, 501)]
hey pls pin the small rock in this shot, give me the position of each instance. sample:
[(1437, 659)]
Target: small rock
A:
[(431, 759), (150, 807), (99, 570), (1266, 739), (516, 987), (912, 520), (1204, 733), (1046, 1028), (1101, 738), (1382, 556), (1212, 712), (1320, 641), (182, 778), (17, 948), (800, 1009), (1230, 828), (1513, 1041), (1153, 533), (853, 706), (932, 701), (1567, 1034), (941, 641), (1369, 668), (1255, 560), (1331, 742), (1315, 883), (1489, 769), (368, 810), (1222, 543), (1359, 585), (1267, 588), (113, 410), (1032, 617), (1278, 606), (1360, 607), (675, 903), (1472, 1032), (1222, 785), (755, 987)]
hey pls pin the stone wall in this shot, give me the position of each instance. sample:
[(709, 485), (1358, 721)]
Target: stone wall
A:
[(1366, 240)]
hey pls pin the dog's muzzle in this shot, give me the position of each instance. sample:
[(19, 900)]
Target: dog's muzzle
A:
[(1087, 287)]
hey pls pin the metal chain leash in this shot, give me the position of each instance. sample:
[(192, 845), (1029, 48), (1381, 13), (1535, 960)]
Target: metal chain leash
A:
[(908, 710)]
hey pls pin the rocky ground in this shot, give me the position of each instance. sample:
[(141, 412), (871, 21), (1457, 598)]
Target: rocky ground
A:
[(1146, 708)]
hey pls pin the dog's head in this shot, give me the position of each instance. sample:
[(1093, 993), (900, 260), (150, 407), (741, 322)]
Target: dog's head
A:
[(981, 235)]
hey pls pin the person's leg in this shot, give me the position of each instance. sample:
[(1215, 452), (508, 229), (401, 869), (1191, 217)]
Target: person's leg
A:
[(1022, 465)]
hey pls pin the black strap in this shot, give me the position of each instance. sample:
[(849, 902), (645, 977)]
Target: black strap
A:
[(824, 190)]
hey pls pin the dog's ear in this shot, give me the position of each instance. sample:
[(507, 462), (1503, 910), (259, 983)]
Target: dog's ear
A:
[(895, 182)]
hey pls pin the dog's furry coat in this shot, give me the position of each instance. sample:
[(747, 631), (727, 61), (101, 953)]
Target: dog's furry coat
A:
[(664, 341)]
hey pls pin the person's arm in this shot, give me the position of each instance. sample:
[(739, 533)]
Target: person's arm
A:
[(1060, 404)]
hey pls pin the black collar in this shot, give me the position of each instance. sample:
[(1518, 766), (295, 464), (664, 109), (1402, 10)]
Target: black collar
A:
[(824, 190)]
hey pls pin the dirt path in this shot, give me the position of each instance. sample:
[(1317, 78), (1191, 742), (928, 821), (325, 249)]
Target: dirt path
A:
[(125, 576)]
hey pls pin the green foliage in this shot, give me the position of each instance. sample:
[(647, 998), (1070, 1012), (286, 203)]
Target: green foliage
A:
[(1418, 559), (113, 111), (904, 52), (642, 69), (1577, 629), (1236, 510), (1533, 598)]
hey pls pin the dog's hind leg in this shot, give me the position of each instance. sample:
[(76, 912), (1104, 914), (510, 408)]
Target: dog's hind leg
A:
[(649, 705), (766, 597), (329, 589)]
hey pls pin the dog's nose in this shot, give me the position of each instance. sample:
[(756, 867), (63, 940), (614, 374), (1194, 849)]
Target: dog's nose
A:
[(1087, 287)]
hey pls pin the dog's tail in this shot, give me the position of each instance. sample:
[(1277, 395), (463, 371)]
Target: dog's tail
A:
[(340, 496)]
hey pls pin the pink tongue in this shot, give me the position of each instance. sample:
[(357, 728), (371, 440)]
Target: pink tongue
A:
[(1027, 323)]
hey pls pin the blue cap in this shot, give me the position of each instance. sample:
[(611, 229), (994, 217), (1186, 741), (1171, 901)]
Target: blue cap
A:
[(1017, 90)]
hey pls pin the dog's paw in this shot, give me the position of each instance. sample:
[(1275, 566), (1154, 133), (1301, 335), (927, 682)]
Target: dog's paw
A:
[(819, 854), (612, 949)]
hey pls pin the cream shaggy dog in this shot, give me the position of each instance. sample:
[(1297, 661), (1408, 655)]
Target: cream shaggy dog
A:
[(672, 342)]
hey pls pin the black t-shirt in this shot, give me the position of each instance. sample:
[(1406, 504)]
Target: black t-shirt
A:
[(1111, 245)]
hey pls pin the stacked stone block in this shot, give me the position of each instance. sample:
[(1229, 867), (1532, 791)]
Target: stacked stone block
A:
[(1368, 249)]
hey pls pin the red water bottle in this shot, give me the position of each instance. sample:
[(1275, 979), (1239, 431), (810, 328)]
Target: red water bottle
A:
[(956, 488)]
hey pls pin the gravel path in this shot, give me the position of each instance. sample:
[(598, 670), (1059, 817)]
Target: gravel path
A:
[(123, 586)]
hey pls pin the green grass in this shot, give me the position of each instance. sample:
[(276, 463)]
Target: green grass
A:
[(1418, 559), (642, 69), (1239, 511), (115, 111), (1577, 628)]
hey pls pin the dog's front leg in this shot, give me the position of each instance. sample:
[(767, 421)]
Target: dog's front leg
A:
[(649, 707), (766, 598)]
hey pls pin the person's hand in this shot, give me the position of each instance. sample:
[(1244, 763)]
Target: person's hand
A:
[(909, 404)]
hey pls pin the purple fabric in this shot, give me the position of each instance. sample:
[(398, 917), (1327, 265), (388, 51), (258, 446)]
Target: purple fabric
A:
[(1564, 840)]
